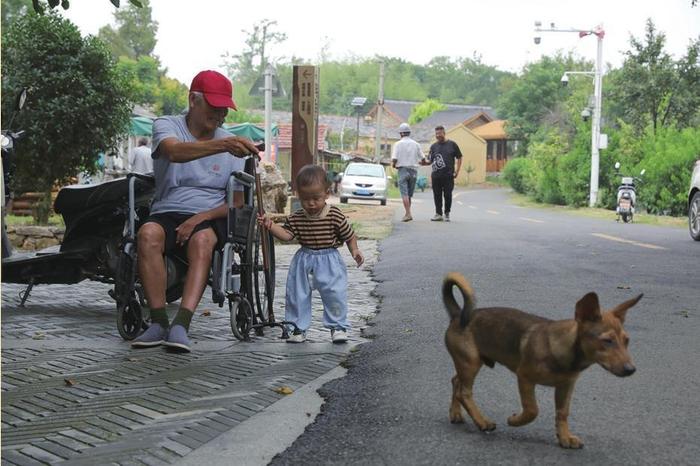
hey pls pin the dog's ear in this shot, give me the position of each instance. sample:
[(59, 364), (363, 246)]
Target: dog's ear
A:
[(620, 311), (588, 308)]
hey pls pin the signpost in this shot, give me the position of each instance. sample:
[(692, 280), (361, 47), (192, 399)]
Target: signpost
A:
[(305, 98)]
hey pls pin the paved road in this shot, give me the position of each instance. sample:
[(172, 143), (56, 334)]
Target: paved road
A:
[(74, 393), (392, 406)]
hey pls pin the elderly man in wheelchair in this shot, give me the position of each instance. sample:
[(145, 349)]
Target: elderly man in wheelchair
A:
[(193, 158)]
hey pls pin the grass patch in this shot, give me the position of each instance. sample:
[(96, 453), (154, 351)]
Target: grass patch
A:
[(497, 180), (603, 214), (392, 191)]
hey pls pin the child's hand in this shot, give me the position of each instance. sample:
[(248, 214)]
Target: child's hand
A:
[(357, 255)]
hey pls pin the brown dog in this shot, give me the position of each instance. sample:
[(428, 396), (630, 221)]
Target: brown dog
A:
[(538, 350)]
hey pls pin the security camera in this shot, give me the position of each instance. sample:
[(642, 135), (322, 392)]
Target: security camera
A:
[(565, 80), (538, 39), (585, 114)]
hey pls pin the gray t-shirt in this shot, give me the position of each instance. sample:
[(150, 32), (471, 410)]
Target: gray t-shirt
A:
[(194, 186)]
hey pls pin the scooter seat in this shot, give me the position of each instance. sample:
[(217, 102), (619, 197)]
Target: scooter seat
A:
[(79, 197)]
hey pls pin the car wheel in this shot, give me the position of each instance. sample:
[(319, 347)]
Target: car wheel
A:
[(343, 200), (694, 217), (383, 201)]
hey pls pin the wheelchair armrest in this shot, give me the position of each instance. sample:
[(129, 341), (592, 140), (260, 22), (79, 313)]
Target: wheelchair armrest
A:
[(148, 178), (244, 178)]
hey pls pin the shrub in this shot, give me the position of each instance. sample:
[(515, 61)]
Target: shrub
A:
[(518, 173)]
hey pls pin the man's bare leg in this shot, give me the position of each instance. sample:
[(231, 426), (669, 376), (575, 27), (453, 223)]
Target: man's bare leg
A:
[(151, 244)]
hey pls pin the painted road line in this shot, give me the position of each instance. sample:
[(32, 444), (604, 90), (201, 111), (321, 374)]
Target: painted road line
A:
[(627, 241), (533, 220), (493, 212), (460, 203), (472, 207)]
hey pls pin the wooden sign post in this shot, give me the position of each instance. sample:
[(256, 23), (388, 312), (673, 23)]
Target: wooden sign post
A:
[(304, 118)]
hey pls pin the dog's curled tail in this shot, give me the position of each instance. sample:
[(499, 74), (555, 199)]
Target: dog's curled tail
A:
[(457, 279)]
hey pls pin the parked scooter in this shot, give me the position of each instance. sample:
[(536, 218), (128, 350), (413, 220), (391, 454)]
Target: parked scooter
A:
[(9, 140), (95, 217), (626, 195)]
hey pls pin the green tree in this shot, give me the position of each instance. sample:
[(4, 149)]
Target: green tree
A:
[(145, 76), (250, 63), (536, 95), (424, 109), (40, 6), (653, 89), (135, 32), (77, 105), (13, 9)]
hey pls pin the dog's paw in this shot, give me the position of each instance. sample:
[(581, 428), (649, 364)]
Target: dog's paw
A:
[(487, 426), (570, 442), (456, 417), (517, 420)]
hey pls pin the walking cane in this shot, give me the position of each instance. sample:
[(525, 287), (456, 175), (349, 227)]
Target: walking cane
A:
[(264, 235)]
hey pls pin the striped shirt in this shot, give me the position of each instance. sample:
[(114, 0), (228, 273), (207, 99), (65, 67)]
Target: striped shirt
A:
[(329, 231)]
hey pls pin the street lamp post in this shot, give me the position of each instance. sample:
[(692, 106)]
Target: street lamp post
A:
[(358, 103), (597, 98)]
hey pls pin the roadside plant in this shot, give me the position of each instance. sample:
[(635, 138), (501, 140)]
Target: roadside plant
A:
[(77, 106)]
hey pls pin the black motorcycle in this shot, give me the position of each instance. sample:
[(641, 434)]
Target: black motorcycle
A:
[(95, 217)]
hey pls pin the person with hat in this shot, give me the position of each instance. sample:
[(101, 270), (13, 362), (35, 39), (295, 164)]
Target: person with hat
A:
[(192, 159), (406, 157)]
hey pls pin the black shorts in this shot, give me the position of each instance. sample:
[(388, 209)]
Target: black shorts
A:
[(171, 220)]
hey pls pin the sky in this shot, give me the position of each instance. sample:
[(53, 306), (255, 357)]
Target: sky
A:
[(194, 34)]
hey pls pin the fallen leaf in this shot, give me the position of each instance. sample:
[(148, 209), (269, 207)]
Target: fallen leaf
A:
[(623, 287), (284, 390), (38, 336), (70, 382), (206, 313)]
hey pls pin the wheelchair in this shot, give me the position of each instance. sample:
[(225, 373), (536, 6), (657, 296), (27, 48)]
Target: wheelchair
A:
[(242, 272)]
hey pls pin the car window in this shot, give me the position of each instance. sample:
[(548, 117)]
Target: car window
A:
[(365, 170)]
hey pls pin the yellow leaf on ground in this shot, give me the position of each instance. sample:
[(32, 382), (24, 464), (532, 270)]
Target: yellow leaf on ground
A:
[(70, 382), (284, 390), (206, 313)]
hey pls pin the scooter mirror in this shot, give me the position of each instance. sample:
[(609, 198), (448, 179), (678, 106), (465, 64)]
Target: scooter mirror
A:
[(643, 172), (617, 165), (5, 142), (21, 99)]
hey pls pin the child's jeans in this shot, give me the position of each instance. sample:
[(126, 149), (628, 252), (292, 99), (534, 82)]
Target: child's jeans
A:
[(325, 271)]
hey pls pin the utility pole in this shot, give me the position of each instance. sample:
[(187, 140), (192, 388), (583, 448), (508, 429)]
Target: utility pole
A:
[(380, 108), (597, 98), (269, 72)]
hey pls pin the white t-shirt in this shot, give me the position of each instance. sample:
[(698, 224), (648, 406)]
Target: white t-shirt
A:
[(407, 153), (141, 161)]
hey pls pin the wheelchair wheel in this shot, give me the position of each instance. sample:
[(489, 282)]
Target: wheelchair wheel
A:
[(241, 316), (130, 319), (264, 280)]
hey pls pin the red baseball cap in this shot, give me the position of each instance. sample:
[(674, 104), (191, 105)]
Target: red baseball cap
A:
[(216, 87)]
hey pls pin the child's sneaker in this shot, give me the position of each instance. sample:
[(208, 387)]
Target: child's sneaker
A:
[(339, 335), (297, 336)]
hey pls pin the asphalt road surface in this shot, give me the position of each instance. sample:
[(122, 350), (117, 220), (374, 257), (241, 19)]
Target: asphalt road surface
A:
[(392, 406)]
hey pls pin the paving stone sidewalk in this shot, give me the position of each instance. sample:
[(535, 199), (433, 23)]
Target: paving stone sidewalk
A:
[(73, 392)]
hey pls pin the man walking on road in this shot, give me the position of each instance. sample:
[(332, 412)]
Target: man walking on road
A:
[(406, 157), (442, 157)]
